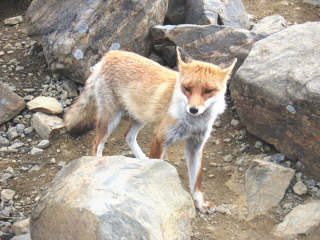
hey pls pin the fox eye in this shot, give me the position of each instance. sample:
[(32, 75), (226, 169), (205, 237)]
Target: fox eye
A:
[(208, 91), (187, 89)]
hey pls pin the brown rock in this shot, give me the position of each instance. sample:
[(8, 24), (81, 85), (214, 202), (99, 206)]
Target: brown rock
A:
[(10, 104)]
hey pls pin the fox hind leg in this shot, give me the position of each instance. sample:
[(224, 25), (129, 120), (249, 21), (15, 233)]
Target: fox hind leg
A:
[(131, 137), (104, 128)]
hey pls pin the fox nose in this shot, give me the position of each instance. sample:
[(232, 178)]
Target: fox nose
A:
[(193, 110)]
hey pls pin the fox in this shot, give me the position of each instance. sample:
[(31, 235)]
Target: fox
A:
[(182, 105)]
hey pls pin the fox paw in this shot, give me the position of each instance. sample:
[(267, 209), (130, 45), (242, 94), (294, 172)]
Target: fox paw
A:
[(206, 207)]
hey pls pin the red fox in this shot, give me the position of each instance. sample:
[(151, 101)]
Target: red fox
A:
[(183, 106)]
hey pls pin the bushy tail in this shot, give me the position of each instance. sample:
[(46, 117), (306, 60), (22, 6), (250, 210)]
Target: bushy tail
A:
[(81, 116)]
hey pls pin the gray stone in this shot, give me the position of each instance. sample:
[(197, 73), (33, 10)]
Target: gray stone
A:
[(114, 198), (12, 134), (4, 142), (13, 21), (211, 43), (10, 104), (292, 57), (270, 25), (20, 127), (265, 184), (228, 13), (46, 125), (36, 151), (28, 130), (43, 144), (299, 188), (7, 195), (22, 237), (302, 220), (48, 105), (73, 40)]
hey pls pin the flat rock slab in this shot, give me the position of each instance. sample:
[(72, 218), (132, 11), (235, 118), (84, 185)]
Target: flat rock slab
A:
[(114, 197), (77, 33), (46, 125), (265, 184), (10, 104), (300, 221), (270, 25), (277, 92), (209, 43), (48, 105), (13, 21), (229, 13)]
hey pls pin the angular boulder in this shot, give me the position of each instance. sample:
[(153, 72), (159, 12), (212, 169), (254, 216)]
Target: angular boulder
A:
[(218, 12), (265, 184), (77, 33), (270, 25), (46, 125), (176, 13), (114, 197), (210, 43), (10, 104), (277, 92), (302, 220)]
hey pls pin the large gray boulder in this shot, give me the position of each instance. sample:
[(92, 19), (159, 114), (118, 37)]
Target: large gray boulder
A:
[(10, 104), (75, 34), (114, 198), (210, 43), (219, 12), (176, 13), (277, 92)]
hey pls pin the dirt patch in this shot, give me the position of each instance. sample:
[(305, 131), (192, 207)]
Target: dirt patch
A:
[(222, 181)]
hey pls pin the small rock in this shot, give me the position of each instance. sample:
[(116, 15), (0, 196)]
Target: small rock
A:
[(12, 134), (299, 188), (43, 144), (7, 195), (4, 142), (21, 227), (36, 151), (45, 104), (234, 122), (223, 210), (300, 166), (258, 145), (34, 168), (28, 130), (228, 158), (6, 176), (13, 21), (20, 127)]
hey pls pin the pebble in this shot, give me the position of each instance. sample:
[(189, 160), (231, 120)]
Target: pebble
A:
[(228, 158), (43, 144), (29, 90), (4, 142), (12, 134), (36, 151), (7, 195), (299, 188), (234, 122), (258, 145)]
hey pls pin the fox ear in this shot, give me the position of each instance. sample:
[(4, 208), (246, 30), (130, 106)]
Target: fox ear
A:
[(183, 58), (228, 70)]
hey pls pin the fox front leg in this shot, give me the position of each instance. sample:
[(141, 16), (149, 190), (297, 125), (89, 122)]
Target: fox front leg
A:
[(194, 146)]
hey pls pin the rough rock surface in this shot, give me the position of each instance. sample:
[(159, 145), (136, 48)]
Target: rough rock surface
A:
[(300, 221), (266, 184), (270, 25), (48, 105), (176, 13), (114, 198), (46, 125), (277, 92), (77, 33), (210, 43), (10, 104), (228, 13)]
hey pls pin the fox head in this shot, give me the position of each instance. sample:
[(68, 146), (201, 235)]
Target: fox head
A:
[(201, 83)]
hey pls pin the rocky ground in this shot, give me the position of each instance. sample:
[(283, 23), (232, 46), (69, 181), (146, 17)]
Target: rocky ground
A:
[(24, 69)]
